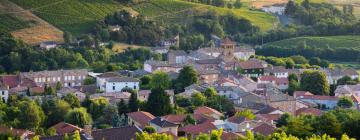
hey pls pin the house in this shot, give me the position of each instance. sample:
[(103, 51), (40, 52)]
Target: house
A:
[(162, 125), (69, 90), (143, 95), (207, 111), (347, 90), (153, 65), (309, 111), (170, 42), (277, 71), (194, 130), (10, 81), (112, 97), (208, 76), (324, 102), (269, 118), (65, 77), (334, 75), (118, 133), (117, 84), (240, 124), (159, 50), (252, 67), (177, 57), (264, 129), (196, 55), (65, 128), (48, 45), (4, 94), (101, 78), (281, 82), (270, 110), (139, 119), (21, 133), (176, 119), (278, 9)]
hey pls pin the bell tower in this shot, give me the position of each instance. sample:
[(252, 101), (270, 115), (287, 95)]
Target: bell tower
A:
[(228, 48)]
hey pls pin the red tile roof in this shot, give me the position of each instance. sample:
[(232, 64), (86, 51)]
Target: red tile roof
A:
[(301, 93), (141, 117), (268, 117), (318, 97), (308, 111), (63, 127), (269, 78), (237, 120), (15, 132), (10, 80), (251, 64), (282, 81), (37, 90), (177, 119), (230, 135), (206, 111), (197, 129), (264, 129)]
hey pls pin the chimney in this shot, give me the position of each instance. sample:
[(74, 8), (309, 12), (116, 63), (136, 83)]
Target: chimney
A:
[(87, 129)]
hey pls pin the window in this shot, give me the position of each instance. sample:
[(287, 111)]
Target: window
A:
[(73, 77), (65, 78), (58, 78), (113, 87), (134, 87), (54, 79)]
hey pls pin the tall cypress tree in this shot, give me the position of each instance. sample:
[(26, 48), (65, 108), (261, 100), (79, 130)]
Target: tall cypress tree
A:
[(133, 103), (158, 102)]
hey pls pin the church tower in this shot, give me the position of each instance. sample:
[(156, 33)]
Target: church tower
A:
[(228, 48)]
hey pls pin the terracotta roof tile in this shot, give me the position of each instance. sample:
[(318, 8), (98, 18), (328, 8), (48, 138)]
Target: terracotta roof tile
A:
[(197, 129), (264, 129), (177, 119), (62, 128), (10, 80), (143, 118), (237, 120), (251, 64), (309, 111), (206, 111)]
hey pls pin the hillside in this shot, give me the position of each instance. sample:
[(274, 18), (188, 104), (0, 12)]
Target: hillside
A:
[(320, 42), (26, 26), (79, 16)]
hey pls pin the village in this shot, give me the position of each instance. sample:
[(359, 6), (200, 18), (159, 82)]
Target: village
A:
[(229, 68)]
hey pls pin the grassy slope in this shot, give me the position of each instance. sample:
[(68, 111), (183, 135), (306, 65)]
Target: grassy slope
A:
[(321, 42), (179, 11), (75, 16)]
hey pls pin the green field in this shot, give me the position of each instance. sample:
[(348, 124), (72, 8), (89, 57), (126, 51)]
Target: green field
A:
[(75, 16), (11, 23), (321, 42)]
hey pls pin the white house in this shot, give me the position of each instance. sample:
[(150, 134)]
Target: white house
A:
[(274, 9), (278, 71), (162, 125), (116, 84), (4, 94), (48, 45)]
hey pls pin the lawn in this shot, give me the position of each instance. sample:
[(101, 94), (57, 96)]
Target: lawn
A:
[(120, 47), (75, 16), (321, 42)]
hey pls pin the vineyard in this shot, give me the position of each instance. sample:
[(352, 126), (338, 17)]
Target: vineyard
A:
[(321, 42), (12, 23), (181, 11), (75, 16)]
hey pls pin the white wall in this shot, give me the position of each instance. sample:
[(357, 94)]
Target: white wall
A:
[(4, 94), (147, 68), (109, 86)]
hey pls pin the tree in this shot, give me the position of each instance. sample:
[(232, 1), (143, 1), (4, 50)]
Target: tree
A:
[(76, 135), (73, 101), (158, 102), (97, 107), (149, 129), (297, 126), (210, 92), (31, 115), (153, 136), (58, 86), (145, 82), (89, 81), (290, 8), (293, 86), (68, 38), (306, 4), (246, 113), (314, 82), (122, 107), (298, 59), (49, 90), (189, 120), (160, 80), (328, 124), (345, 102), (315, 61), (346, 80), (237, 4), (55, 110), (79, 117), (66, 137), (133, 103), (198, 99), (187, 77)]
